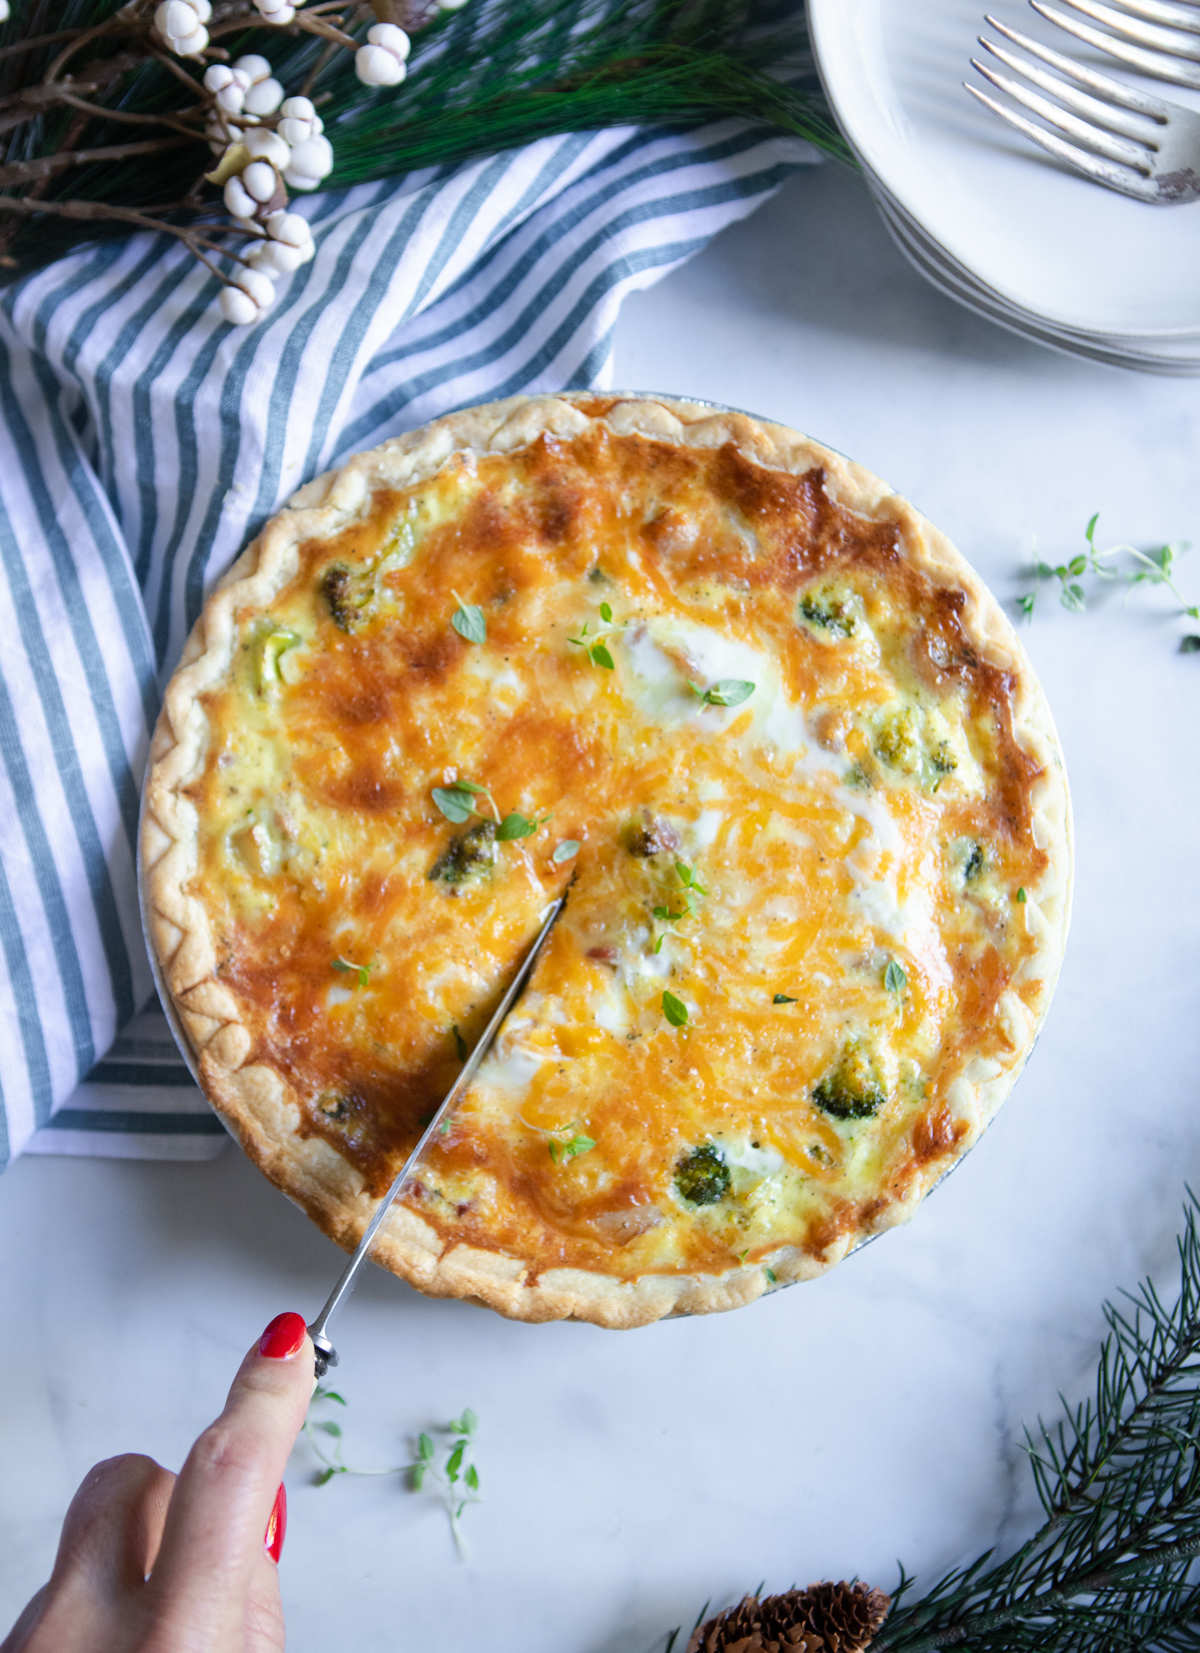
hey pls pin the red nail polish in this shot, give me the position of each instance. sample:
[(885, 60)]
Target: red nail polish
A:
[(276, 1526), (283, 1337)]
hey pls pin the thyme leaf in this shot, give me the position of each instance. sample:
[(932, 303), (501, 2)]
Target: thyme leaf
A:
[(730, 691), (674, 1009), (455, 802), (894, 978), (566, 851), (561, 1151), (348, 967), (469, 621)]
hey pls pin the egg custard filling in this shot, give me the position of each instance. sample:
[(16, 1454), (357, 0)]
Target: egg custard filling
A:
[(756, 719)]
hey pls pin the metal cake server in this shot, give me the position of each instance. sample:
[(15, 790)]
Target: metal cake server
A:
[(319, 1330)]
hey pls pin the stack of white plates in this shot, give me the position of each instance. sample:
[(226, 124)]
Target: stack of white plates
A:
[(986, 215)]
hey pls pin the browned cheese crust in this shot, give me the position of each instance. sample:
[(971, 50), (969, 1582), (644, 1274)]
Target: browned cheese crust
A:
[(768, 726)]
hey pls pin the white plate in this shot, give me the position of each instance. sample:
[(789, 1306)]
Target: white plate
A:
[(1176, 362), (1045, 240), (1175, 356)]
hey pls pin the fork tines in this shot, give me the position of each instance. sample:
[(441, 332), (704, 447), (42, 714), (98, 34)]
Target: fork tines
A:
[(1164, 53), (1114, 124)]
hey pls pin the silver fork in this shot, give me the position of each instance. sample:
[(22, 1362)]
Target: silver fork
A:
[(1129, 141), (1162, 46)]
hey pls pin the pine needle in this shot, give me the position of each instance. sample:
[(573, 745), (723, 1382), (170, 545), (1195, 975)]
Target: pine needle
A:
[(1111, 1568), (494, 75)]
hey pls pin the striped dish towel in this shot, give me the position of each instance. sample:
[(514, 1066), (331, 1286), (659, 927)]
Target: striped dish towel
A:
[(145, 442)]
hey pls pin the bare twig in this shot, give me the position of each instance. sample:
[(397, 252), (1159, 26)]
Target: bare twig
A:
[(82, 38), (318, 25), (36, 42), (20, 172), (97, 211), (127, 115), (177, 69)]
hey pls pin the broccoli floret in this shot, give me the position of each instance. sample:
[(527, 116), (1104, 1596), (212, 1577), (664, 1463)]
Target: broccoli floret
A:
[(896, 741), (943, 759), (468, 855), (347, 595), (702, 1177), (830, 613), (974, 864), (851, 1089)]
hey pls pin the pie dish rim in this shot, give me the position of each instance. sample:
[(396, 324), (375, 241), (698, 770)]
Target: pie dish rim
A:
[(202, 1012)]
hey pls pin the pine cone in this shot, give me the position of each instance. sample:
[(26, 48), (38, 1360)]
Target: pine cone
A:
[(825, 1618)]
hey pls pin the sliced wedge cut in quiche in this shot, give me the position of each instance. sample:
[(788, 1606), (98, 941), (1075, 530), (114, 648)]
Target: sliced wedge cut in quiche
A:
[(754, 715)]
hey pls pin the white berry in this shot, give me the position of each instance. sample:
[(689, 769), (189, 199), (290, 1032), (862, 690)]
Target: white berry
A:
[(181, 25), (237, 200), (252, 294), (264, 97), (291, 228), (273, 12), (311, 161), (382, 61), (261, 181), (276, 257), (259, 286), (300, 121), (391, 37), (253, 66), (263, 145)]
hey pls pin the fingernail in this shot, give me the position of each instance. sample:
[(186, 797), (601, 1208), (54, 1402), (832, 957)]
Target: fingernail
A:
[(283, 1338), (276, 1525)]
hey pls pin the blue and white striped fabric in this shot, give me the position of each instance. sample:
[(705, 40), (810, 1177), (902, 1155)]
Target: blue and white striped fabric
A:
[(145, 441)]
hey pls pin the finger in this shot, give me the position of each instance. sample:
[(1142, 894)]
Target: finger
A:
[(264, 1609), (213, 1539), (109, 1539), (112, 1530)]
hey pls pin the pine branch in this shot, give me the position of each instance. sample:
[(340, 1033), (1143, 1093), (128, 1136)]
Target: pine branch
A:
[(494, 75), (1119, 1480)]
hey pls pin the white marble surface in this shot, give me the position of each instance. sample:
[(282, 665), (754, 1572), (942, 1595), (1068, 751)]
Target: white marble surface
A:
[(834, 1427)]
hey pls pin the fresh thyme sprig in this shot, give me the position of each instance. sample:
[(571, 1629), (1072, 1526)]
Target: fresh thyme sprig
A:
[(458, 1478), (1111, 1567), (692, 891), (594, 646), (568, 1142), (457, 804), (1149, 568), (348, 967), (565, 1142)]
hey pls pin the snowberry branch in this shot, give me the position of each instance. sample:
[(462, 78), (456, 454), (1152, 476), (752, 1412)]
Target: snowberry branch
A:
[(267, 143)]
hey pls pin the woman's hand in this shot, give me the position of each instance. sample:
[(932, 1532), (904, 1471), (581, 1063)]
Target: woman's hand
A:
[(151, 1562)]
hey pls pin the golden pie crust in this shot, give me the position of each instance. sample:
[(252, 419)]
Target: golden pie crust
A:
[(854, 876)]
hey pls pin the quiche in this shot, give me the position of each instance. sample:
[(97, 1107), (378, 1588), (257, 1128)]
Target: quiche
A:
[(755, 717)]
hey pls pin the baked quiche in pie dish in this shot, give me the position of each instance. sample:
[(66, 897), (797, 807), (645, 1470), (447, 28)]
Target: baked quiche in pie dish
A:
[(761, 723)]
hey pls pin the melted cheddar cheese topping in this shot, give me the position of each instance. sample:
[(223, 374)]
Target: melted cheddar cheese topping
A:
[(825, 872)]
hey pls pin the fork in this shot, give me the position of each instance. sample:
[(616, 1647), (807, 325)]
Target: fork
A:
[(1163, 46), (1131, 142)]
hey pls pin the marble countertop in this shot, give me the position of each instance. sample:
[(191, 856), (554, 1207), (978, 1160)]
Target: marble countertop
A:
[(827, 1430)]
